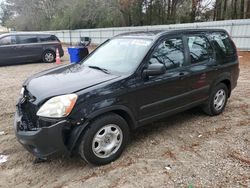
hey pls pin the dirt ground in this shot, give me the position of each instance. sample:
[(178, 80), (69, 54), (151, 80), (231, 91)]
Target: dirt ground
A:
[(188, 149)]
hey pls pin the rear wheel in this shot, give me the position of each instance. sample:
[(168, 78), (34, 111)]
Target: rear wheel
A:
[(217, 100), (49, 56), (104, 140)]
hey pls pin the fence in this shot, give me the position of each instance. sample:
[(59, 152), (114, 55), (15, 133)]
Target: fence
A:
[(238, 29)]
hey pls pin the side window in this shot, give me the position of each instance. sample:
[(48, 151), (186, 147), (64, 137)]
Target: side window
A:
[(170, 52), (7, 40), (223, 44), (200, 49), (48, 38), (26, 39)]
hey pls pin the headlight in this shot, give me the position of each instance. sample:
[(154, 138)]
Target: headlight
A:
[(58, 107)]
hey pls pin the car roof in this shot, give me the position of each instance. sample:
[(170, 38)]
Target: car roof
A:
[(24, 33), (155, 34)]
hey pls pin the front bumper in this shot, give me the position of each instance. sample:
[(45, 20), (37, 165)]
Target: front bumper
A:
[(42, 142)]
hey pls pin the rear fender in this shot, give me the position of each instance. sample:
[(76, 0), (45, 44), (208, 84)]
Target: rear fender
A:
[(219, 79)]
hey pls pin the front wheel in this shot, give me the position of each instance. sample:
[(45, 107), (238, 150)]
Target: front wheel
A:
[(217, 100), (104, 140)]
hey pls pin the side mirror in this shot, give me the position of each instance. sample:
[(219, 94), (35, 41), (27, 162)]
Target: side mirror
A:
[(154, 70)]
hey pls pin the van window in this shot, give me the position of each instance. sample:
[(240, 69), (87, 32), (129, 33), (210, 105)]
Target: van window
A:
[(170, 52), (48, 38), (223, 44), (7, 40), (200, 49), (26, 39)]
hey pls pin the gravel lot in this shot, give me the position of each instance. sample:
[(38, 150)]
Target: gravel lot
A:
[(186, 149)]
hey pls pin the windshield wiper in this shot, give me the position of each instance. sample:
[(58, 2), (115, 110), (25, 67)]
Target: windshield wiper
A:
[(99, 68)]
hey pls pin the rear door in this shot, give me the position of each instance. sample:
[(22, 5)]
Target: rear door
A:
[(8, 53), (50, 42), (226, 55), (202, 66), (29, 50)]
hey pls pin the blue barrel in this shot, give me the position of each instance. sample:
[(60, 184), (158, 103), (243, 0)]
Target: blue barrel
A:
[(77, 54)]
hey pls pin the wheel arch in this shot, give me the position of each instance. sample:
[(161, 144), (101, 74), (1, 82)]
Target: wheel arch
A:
[(49, 50), (227, 82), (120, 110), (225, 79)]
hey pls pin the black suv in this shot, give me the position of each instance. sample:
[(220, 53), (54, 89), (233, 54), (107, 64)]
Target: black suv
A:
[(129, 81), (25, 47)]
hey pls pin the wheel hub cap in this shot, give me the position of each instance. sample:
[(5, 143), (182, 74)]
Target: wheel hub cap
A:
[(49, 57), (219, 99), (107, 141)]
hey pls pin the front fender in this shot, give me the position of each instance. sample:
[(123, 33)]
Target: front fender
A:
[(75, 135), (79, 130), (112, 109)]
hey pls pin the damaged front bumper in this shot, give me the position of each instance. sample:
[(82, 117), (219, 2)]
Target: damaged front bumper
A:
[(41, 142)]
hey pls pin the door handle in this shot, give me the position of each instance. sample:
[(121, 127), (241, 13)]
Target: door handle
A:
[(182, 75)]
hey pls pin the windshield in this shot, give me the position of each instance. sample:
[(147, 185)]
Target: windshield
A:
[(119, 55)]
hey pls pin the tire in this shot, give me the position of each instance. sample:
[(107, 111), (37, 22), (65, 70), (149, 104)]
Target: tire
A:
[(104, 140), (49, 56), (217, 100)]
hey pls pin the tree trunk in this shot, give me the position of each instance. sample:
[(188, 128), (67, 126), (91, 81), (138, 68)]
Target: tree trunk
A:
[(129, 19), (215, 11), (235, 9), (169, 9), (150, 13), (248, 9), (173, 11), (245, 9), (225, 10), (193, 11), (242, 9), (219, 9), (163, 12)]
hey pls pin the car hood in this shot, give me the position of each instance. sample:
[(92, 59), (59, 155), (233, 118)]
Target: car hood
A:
[(64, 80)]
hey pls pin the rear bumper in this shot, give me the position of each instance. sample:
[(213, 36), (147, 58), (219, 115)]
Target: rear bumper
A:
[(61, 52), (42, 142), (235, 76)]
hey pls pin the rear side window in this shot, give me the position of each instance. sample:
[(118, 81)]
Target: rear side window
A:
[(7, 40), (48, 38), (223, 44), (26, 39), (170, 52), (199, 48)]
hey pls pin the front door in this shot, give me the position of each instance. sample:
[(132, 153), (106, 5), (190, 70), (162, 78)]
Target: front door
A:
[(163, 94)]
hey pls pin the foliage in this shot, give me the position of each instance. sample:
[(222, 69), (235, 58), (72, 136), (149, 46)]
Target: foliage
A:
[(78, 14)]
